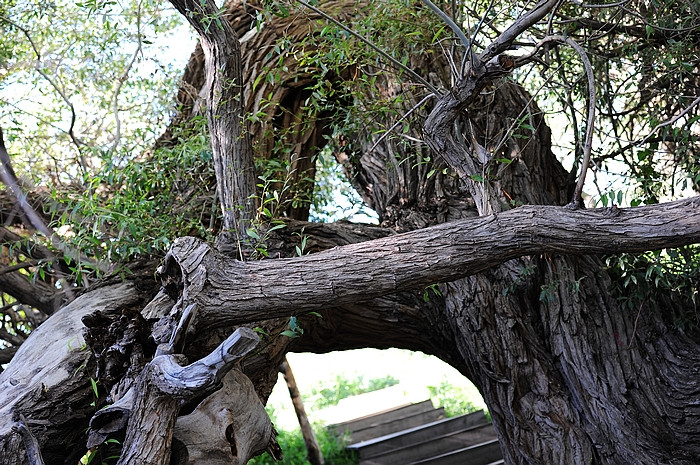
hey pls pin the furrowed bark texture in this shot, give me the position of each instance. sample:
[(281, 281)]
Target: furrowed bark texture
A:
[(568, 374), (231, 146), (247, 291), (278, 98), (499, 327)]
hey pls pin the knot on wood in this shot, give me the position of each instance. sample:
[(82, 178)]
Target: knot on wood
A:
[(506, 62)]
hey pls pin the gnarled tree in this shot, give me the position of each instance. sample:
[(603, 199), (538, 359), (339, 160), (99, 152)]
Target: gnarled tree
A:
[(469, 195)]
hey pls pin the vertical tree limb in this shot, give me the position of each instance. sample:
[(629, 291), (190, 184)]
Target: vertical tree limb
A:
[(231, 146), (312, 449)]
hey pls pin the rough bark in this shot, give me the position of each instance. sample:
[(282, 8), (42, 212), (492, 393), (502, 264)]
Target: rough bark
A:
[(569, 375), (231, 292), (231, 146), (54, 395)]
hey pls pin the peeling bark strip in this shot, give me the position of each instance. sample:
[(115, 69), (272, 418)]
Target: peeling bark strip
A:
[(232, 292)]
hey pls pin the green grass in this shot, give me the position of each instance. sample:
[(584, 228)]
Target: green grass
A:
[(455, 399)]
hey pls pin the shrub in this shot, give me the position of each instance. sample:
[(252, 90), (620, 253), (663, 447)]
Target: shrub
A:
[(294, 449)]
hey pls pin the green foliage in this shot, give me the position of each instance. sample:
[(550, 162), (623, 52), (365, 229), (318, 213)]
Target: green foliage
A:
[(432, 289), (652, 277), (323, 396), (455, 399), (295, 330), (103, 454), (294, 449), (134, 208), (54, 55)]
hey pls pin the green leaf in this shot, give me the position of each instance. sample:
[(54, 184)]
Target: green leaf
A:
[(251, 232), (260, 331), (289, 333), (94, 387)]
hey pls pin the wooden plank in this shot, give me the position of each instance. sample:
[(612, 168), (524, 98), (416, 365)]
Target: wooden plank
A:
[(397, 425), (419, 434), (382, 417), (432, 447), (479, 454)]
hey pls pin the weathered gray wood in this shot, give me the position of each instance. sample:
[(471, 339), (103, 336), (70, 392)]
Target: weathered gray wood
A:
[(230, 291), (419, 434), (392, 414), (59, 377), (226, 428), (478, 454), (30, 443), (431, 445), (163, 384)]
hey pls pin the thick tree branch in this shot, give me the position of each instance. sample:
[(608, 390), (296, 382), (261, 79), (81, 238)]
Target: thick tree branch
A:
[(37, 294), (439, 127), (232, 292)]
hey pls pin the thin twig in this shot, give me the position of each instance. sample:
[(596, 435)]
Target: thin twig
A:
[(470, 50), (588, 142), (456, 29), (391, 59), (599, 5), (55, 86), (671, 121), (9, 178), (408, 113), (18, 266), (636, 320), (122, 79)]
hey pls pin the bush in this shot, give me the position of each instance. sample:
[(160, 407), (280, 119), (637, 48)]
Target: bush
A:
[(322, 397), (455, 399), (294, 449)]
